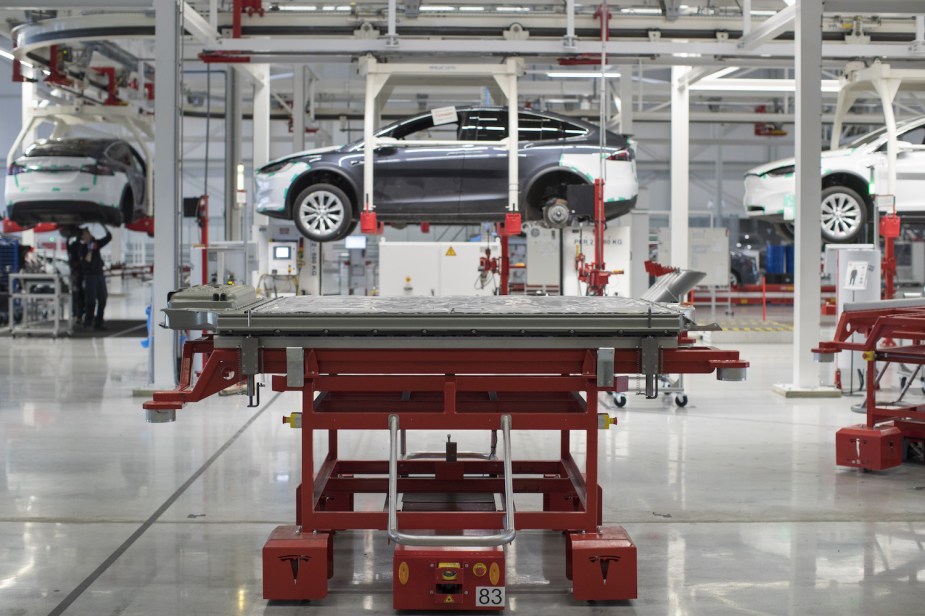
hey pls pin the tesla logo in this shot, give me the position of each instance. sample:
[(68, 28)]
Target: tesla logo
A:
[(294, 561), (604, 562)]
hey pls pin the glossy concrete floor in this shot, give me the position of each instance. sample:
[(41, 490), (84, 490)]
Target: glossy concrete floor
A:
[(734, 501)]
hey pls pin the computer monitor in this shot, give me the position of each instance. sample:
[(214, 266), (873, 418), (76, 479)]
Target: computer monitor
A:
[(281, 253)]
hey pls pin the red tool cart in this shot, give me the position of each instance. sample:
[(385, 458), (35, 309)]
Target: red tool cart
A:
[(400, 365), (880, 442)]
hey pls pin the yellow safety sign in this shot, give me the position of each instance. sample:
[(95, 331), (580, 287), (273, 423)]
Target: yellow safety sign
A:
[(449, 599), (451, 252)]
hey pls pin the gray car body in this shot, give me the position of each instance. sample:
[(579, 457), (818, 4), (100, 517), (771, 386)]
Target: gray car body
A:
[(462, 184)]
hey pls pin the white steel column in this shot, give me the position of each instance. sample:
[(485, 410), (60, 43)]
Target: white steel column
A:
[(626, 99), (808, 243), (261, 150), (168, 67), (680, 164), (28, 104), (232, 152), (298, 107)]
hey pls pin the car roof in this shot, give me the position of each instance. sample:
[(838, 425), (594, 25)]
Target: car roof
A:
[(79, 145)]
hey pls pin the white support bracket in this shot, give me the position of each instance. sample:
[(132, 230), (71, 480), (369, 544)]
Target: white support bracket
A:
[(382, 78), (769, 29), (203, 30)]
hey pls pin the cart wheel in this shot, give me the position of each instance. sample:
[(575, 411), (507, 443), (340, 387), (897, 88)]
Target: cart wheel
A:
[(619, 400), (680, 400), (902, 382)]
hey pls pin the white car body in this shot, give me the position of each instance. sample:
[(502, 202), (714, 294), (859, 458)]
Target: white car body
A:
[(862, 165), (60, 178)]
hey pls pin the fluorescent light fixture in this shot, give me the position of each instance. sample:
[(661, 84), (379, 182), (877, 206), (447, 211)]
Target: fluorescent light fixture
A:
[(757, 85), (686, 54), (344, 7), (472, 9), (436, 8), (298, 7), (512, 9), (579, 75), (763, 13), (641, 11)]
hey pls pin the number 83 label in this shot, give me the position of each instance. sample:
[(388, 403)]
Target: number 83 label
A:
[(489, 596)]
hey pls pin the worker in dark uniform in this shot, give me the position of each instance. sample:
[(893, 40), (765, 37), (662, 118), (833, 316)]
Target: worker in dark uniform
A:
[(94, 283), (77, 275)]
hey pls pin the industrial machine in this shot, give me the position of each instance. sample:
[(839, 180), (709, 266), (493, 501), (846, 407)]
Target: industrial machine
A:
[(406, 364), (881, 441)]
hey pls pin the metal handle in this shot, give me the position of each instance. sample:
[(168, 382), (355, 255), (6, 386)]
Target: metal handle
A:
[(504, 537)]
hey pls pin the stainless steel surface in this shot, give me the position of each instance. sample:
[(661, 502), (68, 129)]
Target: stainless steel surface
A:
[(511, 316), (271, 341), (730, 374), (605, 358), (160, 416), (295, 366), (507, 534), (672, 288)]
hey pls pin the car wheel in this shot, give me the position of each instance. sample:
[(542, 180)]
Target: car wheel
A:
[(322, 213), (844, 214), (785, 230), (734, 280), (127, 206)]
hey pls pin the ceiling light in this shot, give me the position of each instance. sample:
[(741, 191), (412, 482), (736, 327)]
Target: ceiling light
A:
[(434, 8), (641, 11), (758, 85), (512, 9), (579, 75), (298, 7), (472, 8)]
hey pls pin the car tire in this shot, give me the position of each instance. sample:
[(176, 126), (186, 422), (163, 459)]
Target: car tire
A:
[(734, 279), (844, 215), (127, 206), (785, 230), (323, 213)]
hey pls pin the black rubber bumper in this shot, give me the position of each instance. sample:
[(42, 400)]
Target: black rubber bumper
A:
[(28, 213)]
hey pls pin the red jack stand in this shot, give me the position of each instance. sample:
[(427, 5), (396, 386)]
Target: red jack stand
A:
[(369, 224), (889, 229)]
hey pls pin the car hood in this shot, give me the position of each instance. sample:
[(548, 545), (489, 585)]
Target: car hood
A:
[(787, 162), (305, 154)]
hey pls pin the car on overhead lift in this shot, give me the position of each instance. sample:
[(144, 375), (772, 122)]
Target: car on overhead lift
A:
[(847, 203), (77, 181), (320, 190)]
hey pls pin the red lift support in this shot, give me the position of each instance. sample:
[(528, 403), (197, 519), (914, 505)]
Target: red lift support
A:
[(878, 443), (407, 364)]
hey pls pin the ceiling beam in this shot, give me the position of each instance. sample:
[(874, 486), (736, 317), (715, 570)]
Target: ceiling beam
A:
[(866, 7), (200, 28), (77, 4), (769, 29)]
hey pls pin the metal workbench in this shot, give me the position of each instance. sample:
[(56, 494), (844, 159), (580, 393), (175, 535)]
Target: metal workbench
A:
[(403, 364)]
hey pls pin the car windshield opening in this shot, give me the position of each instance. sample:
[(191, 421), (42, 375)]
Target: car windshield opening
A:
[(79, 148)]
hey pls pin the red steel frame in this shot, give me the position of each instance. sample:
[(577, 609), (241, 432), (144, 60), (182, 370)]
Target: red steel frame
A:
[(443, 389), (885, 422)]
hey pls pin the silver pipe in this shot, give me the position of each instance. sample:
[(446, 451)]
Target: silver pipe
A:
[(504, 537)]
